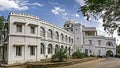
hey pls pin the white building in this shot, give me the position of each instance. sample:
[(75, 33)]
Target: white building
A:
[(27, 39), (88, 41)]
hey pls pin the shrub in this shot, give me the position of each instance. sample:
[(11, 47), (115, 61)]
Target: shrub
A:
[(92, 55), (99, 56), (77, 54), (117, 56), (59, 56), (85, 55)]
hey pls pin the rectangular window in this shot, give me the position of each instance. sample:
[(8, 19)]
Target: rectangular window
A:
[(32, 30), (0, 38), (32, 50), (99, 51), (86, 51), (90, 41), (19, 28), (99, 42), (18, 50)]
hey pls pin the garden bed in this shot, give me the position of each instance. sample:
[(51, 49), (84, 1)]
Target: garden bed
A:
[(58, 64)]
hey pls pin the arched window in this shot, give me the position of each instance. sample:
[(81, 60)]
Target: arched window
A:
[(62, 48), (69, 39), (65, 38), (42, 48), (42, 32), (62, 37), (65, 47), (49, 33), (56, 35), (69, 50), (56, 48), (49, 49), (72, 40), (109, 44)]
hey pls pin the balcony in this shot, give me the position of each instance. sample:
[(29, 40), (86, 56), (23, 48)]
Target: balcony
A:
[(89, 29)]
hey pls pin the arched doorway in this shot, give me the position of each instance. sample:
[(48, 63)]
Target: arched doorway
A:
[(109, 53)]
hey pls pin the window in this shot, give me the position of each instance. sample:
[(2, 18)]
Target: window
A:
[(90, 51), (86, 51), (62, 37), (19, 28), (42, 32), (66, 38), (56, 36), (65, 47), (62, 47), (109, 43), (49, 49), (99, 52), (18, 50), (90, 41), (99, 42), (42, 48), (67, 25), (0, 38), (72, 40), (69, 50), (32, 50), (32, 29), (1, 51), (69, 40), (56, 48), (49, 33)]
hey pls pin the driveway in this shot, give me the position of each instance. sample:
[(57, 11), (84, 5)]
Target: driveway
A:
[(100, 63)]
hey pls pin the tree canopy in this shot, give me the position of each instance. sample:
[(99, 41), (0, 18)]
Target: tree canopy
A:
[(118, 49), (108, 10), (1, 21)]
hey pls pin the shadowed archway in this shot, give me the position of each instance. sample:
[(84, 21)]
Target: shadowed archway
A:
[(109, 53)]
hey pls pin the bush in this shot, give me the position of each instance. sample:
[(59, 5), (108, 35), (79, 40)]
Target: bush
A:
[(92, 55), (99, 56), (77, 54), (117, 56), (59, 56), (85, 55)]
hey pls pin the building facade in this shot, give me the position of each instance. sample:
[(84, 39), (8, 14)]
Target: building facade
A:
[(88, 41), (28, 39)]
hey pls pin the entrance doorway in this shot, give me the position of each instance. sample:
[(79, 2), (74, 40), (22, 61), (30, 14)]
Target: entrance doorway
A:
[(109, 53)]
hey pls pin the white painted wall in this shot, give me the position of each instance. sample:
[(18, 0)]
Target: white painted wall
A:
[(27, 38)]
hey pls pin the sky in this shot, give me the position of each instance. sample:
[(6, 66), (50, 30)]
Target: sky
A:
[(53, 11)]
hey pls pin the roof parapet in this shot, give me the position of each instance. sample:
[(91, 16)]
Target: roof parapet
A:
[(25, 15)]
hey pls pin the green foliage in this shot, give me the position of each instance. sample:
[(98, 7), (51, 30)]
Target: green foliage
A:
[(77, 54), (108, 10), (92, 55), (1, 21), (59, 56), (118, 49), (99, 56)]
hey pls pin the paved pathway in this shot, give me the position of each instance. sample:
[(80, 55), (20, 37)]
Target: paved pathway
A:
[(100, 63)]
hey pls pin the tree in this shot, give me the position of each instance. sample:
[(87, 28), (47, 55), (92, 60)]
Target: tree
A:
[(1, 21), (108, 10), (59, 56), (118, 49)]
